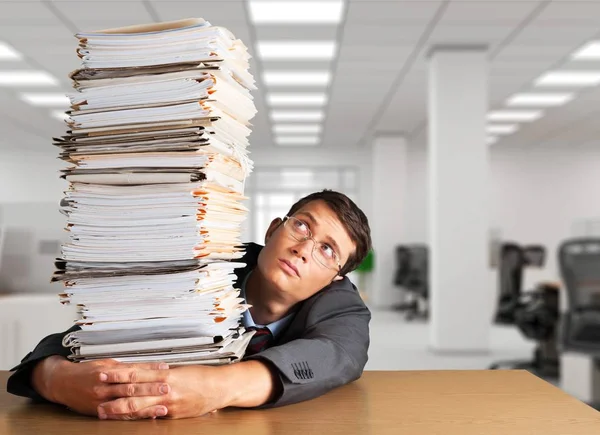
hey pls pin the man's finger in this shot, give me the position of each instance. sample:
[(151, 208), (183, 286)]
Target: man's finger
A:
[(116, 391), (150, 412), (130, 407), (126, 375), (147, 366)]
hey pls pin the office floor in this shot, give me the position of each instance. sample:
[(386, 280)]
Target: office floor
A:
[(400, 345)]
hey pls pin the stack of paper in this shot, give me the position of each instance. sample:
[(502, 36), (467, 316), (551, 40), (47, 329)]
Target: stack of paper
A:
[(157, 148)]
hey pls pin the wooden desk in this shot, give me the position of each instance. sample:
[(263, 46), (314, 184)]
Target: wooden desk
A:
[(411, 403)]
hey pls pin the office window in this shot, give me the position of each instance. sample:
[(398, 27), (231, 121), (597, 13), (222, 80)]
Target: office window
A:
[(273, 191)]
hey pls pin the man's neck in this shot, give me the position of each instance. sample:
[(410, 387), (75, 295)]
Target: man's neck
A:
[(267, 304)]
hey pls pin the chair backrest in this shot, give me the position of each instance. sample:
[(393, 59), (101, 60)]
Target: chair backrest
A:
[(579, 261), (418, 280), (534, 255), (402, 265), (419, 262), (510, 271), (412, 268)]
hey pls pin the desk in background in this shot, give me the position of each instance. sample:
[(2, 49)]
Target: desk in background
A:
[(402, 402)]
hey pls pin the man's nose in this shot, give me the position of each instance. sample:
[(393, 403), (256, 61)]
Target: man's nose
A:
[(303, 249)]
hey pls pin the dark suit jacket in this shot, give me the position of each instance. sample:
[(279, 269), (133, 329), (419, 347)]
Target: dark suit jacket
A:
[(323, 347)]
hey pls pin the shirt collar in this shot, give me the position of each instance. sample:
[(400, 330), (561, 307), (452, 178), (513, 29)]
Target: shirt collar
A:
[(276, 327)]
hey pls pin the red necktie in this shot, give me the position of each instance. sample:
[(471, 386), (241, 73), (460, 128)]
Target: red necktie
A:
[(261, 339)]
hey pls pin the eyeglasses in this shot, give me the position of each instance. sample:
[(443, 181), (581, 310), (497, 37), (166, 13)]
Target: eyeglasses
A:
[(322, 252)]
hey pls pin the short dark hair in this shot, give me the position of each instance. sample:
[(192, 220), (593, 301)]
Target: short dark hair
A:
[(351, 217)]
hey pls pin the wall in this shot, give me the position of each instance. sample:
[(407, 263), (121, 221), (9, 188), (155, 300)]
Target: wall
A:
[(33, 233), (30, 177), (416, 194), (536, 196), (30, 192), (540, 194)]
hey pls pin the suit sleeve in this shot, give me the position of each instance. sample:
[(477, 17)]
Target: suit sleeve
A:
[(19, 383), (331, 352)]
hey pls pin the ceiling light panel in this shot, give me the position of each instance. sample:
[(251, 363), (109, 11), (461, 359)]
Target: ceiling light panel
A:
[(297, 140), (296, 99), (46, 99), (296, 78), (295, 12), (590, 51), (515, 115), (26, 78), (9, 53), (59, 114), (501, 128), (539, 99), (296, 50), (296, 115), (569, 78), (297, 128)]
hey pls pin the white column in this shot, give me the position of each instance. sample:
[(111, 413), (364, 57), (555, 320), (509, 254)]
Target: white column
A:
[(460, 297), (387, 216), (580, 376)]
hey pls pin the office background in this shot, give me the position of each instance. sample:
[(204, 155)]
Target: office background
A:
[(359, 123)]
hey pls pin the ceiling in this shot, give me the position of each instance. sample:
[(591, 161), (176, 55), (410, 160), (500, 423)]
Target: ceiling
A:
[(379, 73)]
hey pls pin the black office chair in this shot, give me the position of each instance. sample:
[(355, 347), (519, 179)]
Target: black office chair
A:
[(402, 265), (535, 313), (579, 262), (412, 275), (513, 260), (534, 255), (510, 282)]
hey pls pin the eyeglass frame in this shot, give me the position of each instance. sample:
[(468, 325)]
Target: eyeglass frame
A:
[(315, 243)]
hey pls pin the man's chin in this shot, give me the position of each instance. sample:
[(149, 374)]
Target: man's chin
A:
[(281, 282)]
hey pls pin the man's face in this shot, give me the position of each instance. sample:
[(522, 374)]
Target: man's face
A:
[(290, 266)]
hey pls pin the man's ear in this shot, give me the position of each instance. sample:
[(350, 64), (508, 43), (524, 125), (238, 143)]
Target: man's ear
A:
[(275, 223)]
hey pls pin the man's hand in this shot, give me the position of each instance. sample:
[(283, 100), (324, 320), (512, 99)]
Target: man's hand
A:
[(84, 386), (196, 391)]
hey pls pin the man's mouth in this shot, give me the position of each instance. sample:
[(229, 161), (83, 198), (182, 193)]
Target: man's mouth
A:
[(290, 267)]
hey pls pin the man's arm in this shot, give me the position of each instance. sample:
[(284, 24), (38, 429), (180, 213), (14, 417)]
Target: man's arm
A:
[(45, 374), (20, 382), (250, 384), (332, 351)]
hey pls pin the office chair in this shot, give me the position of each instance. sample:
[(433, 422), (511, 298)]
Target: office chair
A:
[(402, 265), (412, 275), (579, 263), (510, 275), (534, 255), (535, 313)]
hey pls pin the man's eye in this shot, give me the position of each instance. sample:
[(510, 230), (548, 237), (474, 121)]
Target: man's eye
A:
[(327, 250), (300, 225)]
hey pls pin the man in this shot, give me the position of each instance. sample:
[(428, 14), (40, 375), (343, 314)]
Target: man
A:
[(316, 336)]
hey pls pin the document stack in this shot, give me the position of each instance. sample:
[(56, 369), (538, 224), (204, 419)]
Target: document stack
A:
[(157, 152)]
